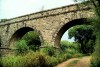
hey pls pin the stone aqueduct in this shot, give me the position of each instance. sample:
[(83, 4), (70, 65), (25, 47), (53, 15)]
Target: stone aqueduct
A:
[(51, 24)]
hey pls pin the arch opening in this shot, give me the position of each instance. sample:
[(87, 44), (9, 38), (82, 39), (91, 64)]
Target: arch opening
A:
[(65, 27), (82, 31), (25, 33)]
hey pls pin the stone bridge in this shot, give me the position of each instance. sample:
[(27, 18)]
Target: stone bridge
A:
[(50, 24)]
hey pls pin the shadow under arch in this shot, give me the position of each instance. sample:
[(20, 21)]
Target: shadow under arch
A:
[(19, 34), (65, 27)]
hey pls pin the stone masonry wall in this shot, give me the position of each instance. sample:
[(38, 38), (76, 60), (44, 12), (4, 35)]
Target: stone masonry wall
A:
[(47, 23)]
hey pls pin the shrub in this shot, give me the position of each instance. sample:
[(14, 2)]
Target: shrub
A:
[(48, 56), (52, 61), (74, 47), (48, 50), (71, 49), (95, 62), (29, 60), (1, 62), (34, 47), (32, 39), (65, 44), (34, 60), (10, 61), (21, 47)]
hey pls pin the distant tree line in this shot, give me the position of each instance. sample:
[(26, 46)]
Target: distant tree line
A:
[(3, 20)]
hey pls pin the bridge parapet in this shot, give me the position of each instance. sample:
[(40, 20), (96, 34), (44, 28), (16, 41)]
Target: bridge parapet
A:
[(51, 12)]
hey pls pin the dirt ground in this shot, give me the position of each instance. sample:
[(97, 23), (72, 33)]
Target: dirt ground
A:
[(83, 62)]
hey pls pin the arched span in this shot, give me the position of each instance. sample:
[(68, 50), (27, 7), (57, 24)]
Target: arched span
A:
[(65, 27), (19, 34)]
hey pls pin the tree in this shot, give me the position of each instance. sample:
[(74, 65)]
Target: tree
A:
[(3, 20), (83, 34), (96, 24)]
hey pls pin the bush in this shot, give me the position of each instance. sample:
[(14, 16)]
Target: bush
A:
[(70, 49), (34, 60), (48, 56), (1, 62), (32, 39), (95, 62), (29, 60), (34, 47), (52, 61), (21, 47), (48, 50), (10, 61), (65, 46)]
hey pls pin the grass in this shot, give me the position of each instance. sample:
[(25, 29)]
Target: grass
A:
[(45, 57), (31, 59)]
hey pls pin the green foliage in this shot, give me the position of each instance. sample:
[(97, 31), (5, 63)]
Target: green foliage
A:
[(1, 62), (71, 49), (48, 50), (29, 60), (95, 61), (32, 39), (34, 60), (10, 61), (69, 45), (3, 20), (96, 27), (83, 34), (21, 47), (31, 36), (48, 56), (52, 61), (79, 30)]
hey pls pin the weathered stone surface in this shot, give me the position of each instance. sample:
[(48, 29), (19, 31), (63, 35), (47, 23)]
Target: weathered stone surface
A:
[(51, 24)]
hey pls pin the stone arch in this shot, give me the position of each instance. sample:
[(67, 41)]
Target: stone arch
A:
[(18, 34), (65, 27)]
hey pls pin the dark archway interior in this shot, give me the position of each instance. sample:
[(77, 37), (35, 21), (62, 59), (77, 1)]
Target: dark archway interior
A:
[(18, 35), (65, 28)]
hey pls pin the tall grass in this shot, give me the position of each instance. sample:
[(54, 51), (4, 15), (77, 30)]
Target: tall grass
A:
[(0, 62), (46, 57), (29, 60)]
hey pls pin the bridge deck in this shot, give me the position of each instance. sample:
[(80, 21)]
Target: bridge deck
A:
[(50, 12)]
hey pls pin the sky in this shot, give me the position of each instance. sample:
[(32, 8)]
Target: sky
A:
[(15, 8)]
